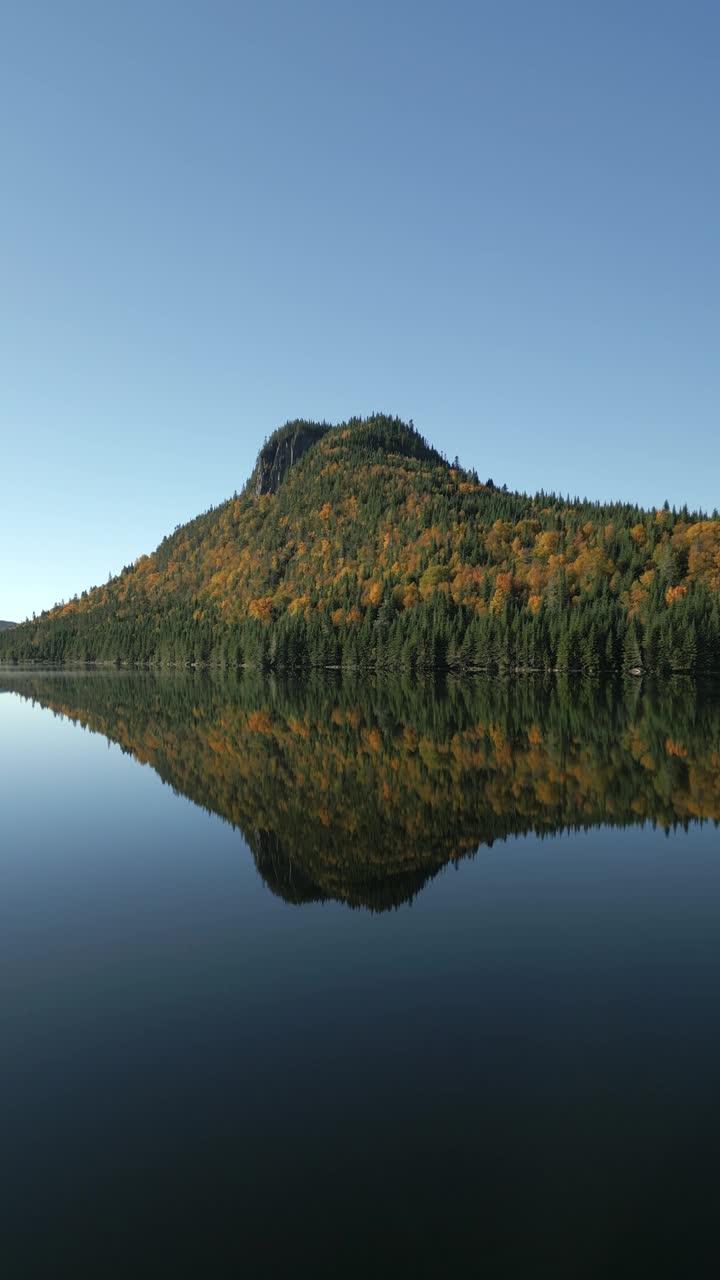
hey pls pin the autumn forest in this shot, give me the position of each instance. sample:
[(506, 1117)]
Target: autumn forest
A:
[(361, 547)]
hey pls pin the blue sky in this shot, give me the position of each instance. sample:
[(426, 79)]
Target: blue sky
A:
[(499, 219)]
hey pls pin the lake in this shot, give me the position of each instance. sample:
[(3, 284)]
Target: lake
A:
[(358, 977)]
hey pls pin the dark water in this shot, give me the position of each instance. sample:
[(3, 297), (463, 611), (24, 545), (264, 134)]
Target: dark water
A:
[(387, 980)]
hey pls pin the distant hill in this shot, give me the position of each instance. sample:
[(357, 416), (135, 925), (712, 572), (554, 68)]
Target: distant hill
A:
[(4, 626), (360, 545)]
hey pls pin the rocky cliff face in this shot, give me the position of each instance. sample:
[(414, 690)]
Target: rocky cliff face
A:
[(277, 457)]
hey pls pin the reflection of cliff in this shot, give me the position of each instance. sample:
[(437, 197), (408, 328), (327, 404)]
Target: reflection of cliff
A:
[(361, 792)]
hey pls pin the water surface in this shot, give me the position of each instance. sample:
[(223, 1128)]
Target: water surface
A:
[(358, 977)]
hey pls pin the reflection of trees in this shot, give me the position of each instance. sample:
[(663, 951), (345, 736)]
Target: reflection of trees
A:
[(360, 791)]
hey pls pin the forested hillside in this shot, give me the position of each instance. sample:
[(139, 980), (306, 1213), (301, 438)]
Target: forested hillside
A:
[(360, 545)]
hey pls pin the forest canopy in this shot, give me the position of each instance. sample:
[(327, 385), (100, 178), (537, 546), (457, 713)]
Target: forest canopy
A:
[(361, 546)]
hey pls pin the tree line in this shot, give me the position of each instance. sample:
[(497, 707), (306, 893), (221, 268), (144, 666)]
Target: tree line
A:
[(376, 553)]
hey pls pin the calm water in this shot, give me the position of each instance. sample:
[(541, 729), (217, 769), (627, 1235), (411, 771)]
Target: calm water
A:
[(358, 979)]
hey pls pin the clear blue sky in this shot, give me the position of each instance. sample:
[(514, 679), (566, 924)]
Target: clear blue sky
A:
[(500, 219)]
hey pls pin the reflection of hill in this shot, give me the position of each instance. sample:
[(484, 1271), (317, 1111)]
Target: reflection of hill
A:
[(361, 792), (285, 877)]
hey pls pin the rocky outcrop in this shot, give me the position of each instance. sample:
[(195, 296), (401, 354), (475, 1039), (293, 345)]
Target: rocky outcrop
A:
[(276, 458)]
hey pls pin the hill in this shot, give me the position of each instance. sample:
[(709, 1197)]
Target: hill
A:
[(360, 545), (4, 626)]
